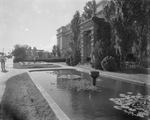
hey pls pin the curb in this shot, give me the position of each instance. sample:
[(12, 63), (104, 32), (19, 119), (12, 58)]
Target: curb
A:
[(56, 109), (114, 77)]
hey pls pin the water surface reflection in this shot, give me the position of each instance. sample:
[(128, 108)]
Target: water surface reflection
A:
[(87, 105)]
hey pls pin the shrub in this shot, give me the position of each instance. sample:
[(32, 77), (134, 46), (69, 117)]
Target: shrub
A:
[(15, 60), (97, 63), (52, 60), (68, 61), (100, 52), (109, 64), (40, 60), (72, 63), (76, 58), (19, 52)]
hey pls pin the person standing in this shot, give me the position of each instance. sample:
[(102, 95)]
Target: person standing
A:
[(3, 60)]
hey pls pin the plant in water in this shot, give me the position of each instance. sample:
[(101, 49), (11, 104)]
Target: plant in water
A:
[(69, 76), (74, 82), (136, 105)]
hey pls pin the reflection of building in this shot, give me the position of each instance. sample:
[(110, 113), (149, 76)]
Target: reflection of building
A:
[(87, 29)]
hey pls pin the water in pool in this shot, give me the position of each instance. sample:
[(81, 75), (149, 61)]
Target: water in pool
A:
[(87, 104)]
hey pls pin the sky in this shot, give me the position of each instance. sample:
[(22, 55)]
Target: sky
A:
[(34, 22)]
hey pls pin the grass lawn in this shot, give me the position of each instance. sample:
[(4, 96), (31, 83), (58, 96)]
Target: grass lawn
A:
[(23, 101)]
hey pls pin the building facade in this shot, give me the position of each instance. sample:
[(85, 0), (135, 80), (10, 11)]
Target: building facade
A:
[(38, 54), (63, 38), (88, 34)]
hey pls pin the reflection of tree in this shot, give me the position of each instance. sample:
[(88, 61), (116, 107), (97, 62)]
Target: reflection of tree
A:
[(90, 104), (80, 100), (117, 86), (60, 73)]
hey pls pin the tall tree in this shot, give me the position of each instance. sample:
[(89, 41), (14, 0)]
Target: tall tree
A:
[(54, 50), (89, 10), (75, 41), (109, 11), (19, 52), (34, 51), (130, 23), (58, 51), (103, 43), (40, 54)]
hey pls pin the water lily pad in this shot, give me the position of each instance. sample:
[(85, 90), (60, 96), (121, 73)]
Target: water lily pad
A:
[(118, 107), (112, 99), (122, 95), (135, 105), (140, 114), (124, 106), (70, 77), (130, 109), (130, 93)]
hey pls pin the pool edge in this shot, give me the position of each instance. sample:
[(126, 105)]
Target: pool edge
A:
[(56, 109)]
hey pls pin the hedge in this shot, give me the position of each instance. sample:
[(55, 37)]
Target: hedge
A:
[(41, 60)]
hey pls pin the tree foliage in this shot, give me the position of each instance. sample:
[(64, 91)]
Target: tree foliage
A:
[(58, 51), (54, 50), (19, 52), (75, 35), (109, 11), (40, 54), (109, 64), (130, 22), (103, 43), (89, 10), (34, 51)]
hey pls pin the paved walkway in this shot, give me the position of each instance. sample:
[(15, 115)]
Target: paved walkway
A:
[(4, 76), (139, 78)]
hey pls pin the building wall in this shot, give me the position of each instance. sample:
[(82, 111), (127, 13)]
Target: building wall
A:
[(63, 38), (65, 42), (63, 33)]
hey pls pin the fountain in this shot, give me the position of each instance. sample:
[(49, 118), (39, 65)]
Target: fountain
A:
[(74, 92), (94, 75)]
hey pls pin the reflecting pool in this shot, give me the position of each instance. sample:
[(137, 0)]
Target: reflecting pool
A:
[(87, 104)]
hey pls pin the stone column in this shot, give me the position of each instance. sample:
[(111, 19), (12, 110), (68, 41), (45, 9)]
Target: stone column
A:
[(92, 40), (93, 35), (82, 46)]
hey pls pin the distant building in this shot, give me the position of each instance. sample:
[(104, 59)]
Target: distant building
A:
[(63, 38), (87, 34), (38, 54)]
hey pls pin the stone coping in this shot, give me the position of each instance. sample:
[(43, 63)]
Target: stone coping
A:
[(56, 109), (117, 76), (113, 76), (50, 69)]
